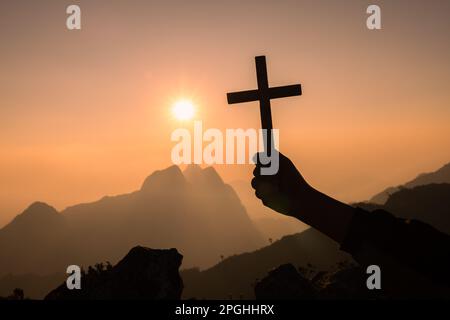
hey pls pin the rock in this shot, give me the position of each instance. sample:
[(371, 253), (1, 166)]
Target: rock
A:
[(142, 274), (284, 283), (346, 283)]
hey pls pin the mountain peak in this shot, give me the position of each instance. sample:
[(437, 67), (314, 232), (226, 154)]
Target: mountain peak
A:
[(211, 175), (192, 171), (36, 214), (40, 209), (168, 178), (205, 177)]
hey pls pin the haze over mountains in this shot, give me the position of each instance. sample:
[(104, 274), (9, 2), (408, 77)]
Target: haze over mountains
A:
[(428, 203), (196, 212), (441, 175), (425, 198), (236, 275)]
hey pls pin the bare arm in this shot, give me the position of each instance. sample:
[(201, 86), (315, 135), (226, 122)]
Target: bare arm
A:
[(368, 237), (287, 192)]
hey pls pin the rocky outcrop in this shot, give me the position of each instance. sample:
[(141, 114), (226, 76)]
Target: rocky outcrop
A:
[(236, 275), (347, 281), (142, 274), (288, 283), (284, 283)]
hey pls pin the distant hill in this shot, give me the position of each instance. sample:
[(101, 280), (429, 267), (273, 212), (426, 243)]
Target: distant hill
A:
[(237, 274), (440, 176), (428, 203), (234, 276), (34, 286), (195, 212)]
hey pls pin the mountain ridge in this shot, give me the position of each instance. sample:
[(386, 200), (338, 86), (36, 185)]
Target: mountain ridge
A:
[(441, 175), (235, 275), (204, 220), (428, 203)]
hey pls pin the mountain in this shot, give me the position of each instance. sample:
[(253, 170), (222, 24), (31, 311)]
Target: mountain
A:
[(440, 176), (32, 240), (198, 214), (270, 223), (236, 275), (428, 203)]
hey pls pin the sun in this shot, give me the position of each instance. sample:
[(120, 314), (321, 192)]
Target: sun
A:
[(183, 109)]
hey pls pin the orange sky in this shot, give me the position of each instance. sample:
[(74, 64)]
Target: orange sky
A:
[(87, 113)]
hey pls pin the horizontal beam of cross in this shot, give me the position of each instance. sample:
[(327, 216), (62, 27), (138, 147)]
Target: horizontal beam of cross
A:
[(272, 93)]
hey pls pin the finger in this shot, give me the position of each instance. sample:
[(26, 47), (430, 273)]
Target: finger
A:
[(254, 183), (255, 158), (257, 171), (272, 181), (263, 194), (264, 188)]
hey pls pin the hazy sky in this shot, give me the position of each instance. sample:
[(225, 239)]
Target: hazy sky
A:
[(87, 113)]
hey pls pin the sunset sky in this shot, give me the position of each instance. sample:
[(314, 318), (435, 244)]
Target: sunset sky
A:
[(87, 113)]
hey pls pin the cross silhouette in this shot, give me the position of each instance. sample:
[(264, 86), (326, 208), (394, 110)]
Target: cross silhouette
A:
[(264, 94)]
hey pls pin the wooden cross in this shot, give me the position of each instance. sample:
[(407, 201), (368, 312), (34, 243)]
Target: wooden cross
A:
[(264, 94)]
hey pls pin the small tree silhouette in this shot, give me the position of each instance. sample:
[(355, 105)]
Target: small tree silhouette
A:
[(222, 257), (270, 240), (18, 294), (91, 271), (99, 267)]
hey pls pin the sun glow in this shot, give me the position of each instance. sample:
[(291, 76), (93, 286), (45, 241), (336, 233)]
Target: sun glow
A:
[(183, 109)]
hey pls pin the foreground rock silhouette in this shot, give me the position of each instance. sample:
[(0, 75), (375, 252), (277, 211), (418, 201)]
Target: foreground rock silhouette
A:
[(142, 274), (347, 281), (284, 283)]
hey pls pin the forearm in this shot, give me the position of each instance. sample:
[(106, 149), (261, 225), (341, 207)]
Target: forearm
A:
[(326, 214)]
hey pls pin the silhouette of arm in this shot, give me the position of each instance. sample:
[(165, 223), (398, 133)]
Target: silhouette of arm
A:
[(370, 237), (288, 193)]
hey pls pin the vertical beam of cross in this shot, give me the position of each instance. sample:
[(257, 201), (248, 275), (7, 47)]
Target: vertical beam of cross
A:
[(264, 102), (264, 94)]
